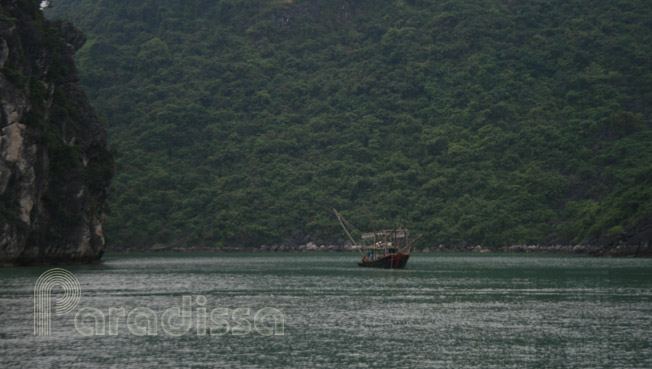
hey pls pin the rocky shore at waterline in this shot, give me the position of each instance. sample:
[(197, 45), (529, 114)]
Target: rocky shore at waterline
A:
[(619, 250)]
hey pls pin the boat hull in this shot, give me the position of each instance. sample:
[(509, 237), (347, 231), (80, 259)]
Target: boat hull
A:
[(393, 261)]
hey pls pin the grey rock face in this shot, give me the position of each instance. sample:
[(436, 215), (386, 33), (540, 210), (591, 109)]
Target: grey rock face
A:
[(54, 164)]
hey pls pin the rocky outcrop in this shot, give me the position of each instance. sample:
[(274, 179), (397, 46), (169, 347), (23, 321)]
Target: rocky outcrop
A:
[(636, 241), (54, 164)]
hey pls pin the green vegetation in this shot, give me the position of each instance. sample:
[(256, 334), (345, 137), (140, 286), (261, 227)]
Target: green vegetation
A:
[(14, 76), (492, 122)]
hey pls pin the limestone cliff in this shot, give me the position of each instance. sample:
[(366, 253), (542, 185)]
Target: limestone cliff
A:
[(54, 164)]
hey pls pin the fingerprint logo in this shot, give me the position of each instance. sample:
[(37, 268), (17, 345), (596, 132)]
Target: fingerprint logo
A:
[(43, 288)]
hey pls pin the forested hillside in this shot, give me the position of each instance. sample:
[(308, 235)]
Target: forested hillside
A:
[(491, 122)]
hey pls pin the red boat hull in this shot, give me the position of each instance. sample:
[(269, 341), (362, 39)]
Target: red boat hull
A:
[(391, 261)]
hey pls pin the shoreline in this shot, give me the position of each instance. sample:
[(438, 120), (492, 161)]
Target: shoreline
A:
[(618, 251), (643, 250)]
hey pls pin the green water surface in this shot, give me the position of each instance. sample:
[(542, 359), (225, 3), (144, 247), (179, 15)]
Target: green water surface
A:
[(443, 311)]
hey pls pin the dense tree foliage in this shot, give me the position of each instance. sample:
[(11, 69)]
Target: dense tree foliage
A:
[(492, 122)]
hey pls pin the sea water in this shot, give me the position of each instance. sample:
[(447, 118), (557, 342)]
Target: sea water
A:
[(311, 310)]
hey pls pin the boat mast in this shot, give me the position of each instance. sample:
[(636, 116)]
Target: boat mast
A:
[(373, 228), (342, 221)]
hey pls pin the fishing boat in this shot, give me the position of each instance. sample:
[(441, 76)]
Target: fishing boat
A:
[(386, 248)]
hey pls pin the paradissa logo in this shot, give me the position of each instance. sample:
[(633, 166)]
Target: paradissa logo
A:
[(52, 278), (142, 321)]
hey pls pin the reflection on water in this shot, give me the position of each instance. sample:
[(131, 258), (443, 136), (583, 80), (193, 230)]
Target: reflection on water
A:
[(455, 310)]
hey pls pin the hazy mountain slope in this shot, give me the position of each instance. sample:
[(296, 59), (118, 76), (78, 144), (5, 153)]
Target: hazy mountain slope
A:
[(492, 122)]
